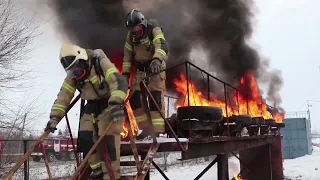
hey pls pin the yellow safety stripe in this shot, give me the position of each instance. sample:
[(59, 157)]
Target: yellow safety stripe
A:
[(158, 121), (126, 64), (96, 165), (68, 88), (128, 46), (119, 94), (59, 107), (145, 41), (159, 36), (110, 71), (141, 118), (94, 79), (161, 52), (93, 119)]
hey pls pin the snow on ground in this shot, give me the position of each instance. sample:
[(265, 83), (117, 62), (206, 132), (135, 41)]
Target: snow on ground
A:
[(304, 168), (38, 170)]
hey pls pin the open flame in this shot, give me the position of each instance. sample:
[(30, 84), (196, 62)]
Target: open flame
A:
[(237, 103), (237, 177), (133, 124)]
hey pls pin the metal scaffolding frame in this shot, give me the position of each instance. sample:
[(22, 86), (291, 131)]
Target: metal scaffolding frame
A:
[(192, 148)]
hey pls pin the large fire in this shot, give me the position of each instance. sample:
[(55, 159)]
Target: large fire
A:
[(239, 101)]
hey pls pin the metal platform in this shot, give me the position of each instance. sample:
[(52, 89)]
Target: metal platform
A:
[(200, 147), (166, 144)]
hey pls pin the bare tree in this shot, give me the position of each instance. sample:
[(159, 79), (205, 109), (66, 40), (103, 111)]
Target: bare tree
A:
[(17, 32)]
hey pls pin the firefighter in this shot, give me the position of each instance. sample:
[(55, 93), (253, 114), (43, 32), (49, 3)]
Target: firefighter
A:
[(147, 47), (99, 82)]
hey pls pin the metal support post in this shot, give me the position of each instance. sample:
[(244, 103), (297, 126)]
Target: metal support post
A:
[(147, 175), (223, 172), (25, 164)]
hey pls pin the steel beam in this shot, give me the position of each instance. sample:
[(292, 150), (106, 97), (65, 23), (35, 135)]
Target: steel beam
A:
[(207, 148), (167, 144)]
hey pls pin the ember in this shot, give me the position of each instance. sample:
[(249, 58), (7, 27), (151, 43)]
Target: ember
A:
[(255, 104)]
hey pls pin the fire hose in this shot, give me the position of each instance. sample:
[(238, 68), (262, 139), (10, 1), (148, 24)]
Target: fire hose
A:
[(31, 149)]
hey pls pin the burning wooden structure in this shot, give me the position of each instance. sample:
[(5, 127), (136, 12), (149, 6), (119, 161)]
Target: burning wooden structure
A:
[(203, 126)]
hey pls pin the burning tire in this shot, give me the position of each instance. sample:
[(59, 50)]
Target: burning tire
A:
[(50, 156), (270, 122), (258, 121), (204, 120), (201, 113), (241, 119), (36, 158)]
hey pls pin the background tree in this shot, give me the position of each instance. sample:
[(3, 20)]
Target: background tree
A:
[(18, 31)]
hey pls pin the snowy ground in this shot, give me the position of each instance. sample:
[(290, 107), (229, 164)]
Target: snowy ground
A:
[(304, 168)]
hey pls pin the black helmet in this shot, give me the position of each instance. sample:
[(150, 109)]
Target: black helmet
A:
[(136, 23)]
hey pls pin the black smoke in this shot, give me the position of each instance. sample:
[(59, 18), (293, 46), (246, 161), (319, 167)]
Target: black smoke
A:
[(222, 27)]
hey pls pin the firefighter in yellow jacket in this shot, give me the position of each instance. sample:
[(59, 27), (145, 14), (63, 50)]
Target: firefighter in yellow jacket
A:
[(104, 89), (147, 47)]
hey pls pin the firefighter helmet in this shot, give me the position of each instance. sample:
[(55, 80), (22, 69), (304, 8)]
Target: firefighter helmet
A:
[(70, 54), (136, 23), (74, 60)]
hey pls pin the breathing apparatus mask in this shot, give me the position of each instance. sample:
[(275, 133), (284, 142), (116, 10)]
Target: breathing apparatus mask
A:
[(77, 69)]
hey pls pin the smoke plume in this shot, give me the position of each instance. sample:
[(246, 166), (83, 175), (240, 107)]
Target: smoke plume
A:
[(221, 27)]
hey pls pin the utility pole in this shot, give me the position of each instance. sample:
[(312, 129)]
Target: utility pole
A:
[(22, 129), (309, 105)]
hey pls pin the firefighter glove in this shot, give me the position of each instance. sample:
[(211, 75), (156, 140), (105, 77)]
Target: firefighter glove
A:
[(52, 124), (116, 112), (155, 66)]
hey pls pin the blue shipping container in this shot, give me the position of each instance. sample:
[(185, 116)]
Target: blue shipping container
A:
[(296, 141)]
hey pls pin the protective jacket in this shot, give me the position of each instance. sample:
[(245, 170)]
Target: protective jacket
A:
[(142, 51), (114, 87)]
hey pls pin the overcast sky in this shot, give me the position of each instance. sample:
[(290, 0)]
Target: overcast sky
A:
[(286, 31)]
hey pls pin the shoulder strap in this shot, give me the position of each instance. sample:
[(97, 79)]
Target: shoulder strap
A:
[(99, 71), (97, 66)]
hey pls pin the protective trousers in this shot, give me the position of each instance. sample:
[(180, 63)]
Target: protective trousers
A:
[(88, 135), (157, 87)]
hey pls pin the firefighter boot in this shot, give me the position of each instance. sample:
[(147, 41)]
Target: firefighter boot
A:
[(95, 164), (95, 176)]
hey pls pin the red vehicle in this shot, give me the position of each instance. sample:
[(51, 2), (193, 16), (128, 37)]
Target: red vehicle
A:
[(59, 148)]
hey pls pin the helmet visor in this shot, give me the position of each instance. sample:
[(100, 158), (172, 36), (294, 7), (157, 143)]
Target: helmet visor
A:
[(67, 61), (136, 31)]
